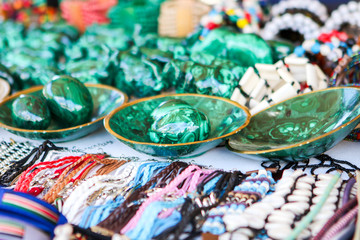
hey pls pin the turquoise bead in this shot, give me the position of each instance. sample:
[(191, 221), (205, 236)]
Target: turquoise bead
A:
[(31, 112), (175, 121), (69, 100)]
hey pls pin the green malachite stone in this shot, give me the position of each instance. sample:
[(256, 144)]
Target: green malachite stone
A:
[(69, 100), (175, 121), (219, 78), (139, 77), (244, 49), (300, 127), (131, 123), (31, 112)]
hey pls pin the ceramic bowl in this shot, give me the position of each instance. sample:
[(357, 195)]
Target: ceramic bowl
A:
[(300, 127), (130, 124), (105, 100)]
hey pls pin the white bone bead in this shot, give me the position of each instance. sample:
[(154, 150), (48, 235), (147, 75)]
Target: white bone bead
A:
[(253, 103), (285, 92), (269, 73), (234, 221), (311, 76), (278, 231), (296, 207), (249, 81), (259, 91), (265, 208), (302, 193), (286, 183), (238, 97), (280, 219), (275, 200), (286, 75), (307, 179), (284, 214), (303, 186), (261, 106), (298, 198)]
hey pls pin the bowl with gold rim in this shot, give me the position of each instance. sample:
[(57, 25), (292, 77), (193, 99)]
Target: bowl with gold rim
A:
[(300, 127), (105, 99), (137, 123)]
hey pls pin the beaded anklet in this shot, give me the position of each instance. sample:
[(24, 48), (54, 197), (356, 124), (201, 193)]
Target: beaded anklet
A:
[(252, 189)]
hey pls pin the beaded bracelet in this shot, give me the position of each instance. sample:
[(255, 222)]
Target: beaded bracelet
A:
[(121, 215), (307, 27), (328, 49), (345, 13), (252, 189), (313, 6), (347, 74), (82, 192), (273, 83), (11, 153), (291, 210), (37, 154), (246, 17)]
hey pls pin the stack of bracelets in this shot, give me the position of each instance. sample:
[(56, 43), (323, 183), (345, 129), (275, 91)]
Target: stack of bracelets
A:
[(101, 197)]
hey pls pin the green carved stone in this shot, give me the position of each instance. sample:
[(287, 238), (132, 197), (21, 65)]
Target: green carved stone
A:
[(105, 100), (301, 127), (92, 71), (69, 100), (132, 122), (11, 35), (244, 49), (175, 121), (97, 42), (218, 79), (40, 76), (156, 55), (25, 57), (139, 77), (31, 112)]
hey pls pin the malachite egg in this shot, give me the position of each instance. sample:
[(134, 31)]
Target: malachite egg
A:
[(31, 112), (175, 121), (69, 100)]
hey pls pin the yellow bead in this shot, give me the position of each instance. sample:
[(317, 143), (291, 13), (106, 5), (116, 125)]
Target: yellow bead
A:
[(241, 23), (230, 12)]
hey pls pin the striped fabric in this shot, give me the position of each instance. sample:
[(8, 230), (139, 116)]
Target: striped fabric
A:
[(29, 206), (11, 229)]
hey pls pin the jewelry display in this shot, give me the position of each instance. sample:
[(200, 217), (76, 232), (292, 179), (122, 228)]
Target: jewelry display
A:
[(244, 118)]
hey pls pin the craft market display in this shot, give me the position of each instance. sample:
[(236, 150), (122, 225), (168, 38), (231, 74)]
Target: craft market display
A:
[(178, 86)]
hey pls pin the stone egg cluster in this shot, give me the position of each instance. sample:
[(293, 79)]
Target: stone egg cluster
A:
[(175, 121), (64, 98)]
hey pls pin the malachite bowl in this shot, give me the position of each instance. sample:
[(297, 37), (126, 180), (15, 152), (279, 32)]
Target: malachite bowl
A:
[(105, 99), (131, 122), (300, 127)]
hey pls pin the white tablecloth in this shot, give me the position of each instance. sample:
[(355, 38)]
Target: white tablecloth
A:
[(221, 158)]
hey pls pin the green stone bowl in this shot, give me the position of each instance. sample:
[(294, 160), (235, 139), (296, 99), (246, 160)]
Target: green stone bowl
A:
[(300, 127), (130, 124), (105, 99)]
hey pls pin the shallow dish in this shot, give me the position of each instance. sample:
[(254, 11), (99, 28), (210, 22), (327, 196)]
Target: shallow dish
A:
[(130, 124), (300, 127), (105, 100)]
